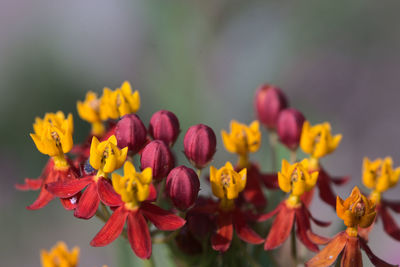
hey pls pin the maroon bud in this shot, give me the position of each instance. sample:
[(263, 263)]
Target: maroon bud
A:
[(200, 144), (290, 124), (269, 101), (164, 125), (158, 157), (182, 187), (131, 132)]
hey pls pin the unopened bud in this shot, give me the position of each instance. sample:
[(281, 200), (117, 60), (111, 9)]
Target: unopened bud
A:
[(290, 124), (131, 132), (158, 157), (164, 125)]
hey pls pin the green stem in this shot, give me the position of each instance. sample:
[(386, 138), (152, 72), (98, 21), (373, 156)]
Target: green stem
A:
[(160, 191), (198, 172), (293, 156), (149, 263), (273, 142), (294, 246)]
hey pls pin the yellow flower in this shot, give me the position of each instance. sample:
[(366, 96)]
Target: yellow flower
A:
[(379, 174), (122, 101), (295, 178), (106, 156), (356, 210), (242, 139), (53, 134), (318, 140), (89, 110), (226, 183), (134, 187), (59, 256)]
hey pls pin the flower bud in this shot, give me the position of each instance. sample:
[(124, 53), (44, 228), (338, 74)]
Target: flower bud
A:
[(182, 187), (131, 132), (158, 157), (164, 125), (290, 124), (200, 145), (269, 101)]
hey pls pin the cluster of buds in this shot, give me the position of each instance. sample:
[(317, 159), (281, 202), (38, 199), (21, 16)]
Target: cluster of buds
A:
[(144, 203)]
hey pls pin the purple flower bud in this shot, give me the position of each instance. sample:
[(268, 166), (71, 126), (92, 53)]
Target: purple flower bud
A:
[(290, 124), (269, 101), (131, 132), (158, 157), (200, 144), (182, 187), (164, 125)]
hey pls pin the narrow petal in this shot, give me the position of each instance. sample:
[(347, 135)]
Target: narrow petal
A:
[(316, 221), (317, 239), (270, 214), (352, 254), (394, 205), (71, 203), (340, 180), (152, 193), (43, 199), (107, 193), (112, 229), (68, 188), (389, 224), (327, 256), (138, 235), (162, 219), (304, 226), (88, 204), (30, 184), (372, 257), (244, 231), (307, 197), (222, 238), (280, 228), (325, 190)]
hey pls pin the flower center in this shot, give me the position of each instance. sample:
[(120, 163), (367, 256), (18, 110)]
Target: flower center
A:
[(226, 179)]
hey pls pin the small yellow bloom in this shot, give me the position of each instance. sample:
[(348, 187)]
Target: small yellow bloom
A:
[(59, 256), (122, 101), (379, 174), (134, 187), (295, 178), (226, 183), (89, 110), (53, 134), (106, 156), (356, 210), (318, 140), (242, 139)]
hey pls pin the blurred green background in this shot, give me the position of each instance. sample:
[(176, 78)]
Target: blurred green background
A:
[(202, 59)]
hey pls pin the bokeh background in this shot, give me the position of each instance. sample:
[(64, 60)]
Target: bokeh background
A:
[(202, 59)]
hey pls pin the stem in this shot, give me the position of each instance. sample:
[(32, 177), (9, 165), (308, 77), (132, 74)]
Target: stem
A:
[(293, 156), (160, 191), (294, 246), (273, 142), (166, 238), (149, 262), (198, 172)]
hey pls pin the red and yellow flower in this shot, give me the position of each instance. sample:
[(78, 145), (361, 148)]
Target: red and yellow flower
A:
[(355, 211), (134, 208)]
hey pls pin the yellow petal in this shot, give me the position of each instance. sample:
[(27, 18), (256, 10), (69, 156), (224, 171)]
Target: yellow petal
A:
[(284, 183), (146, 175), (242, 179), (95, 157), (229, 166), (213, 173), (110, 164), (310, 183), (229, 145), (122, 157), (367, 220)]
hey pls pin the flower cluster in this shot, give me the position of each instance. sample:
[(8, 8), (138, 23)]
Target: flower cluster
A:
[(159, 202)]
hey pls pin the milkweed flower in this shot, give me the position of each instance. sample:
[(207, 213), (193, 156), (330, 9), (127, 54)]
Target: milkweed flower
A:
[(53, 137), (355, 211), (117, 103), (379, 176), (89, 110), (242, 140), (133, 208), (60, 256), (226, 184), (317, 141), (105, 157), (296, 180)]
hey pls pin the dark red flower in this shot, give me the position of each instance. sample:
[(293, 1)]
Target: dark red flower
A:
[(289, 126), (131, 132), (269, 101), (158, 157), (164, 125), (200, 144)]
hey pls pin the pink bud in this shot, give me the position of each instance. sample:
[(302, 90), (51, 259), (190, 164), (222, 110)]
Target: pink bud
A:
[(290, 124), (158, 157), (269, 101), (164, 125), (182, 187), (131, 132), (200, 145)]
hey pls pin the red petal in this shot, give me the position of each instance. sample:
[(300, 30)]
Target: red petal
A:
[(222, 238), (373, 258), (138, 235), (152, 194), (389, 224), (325, 190), (340, 180), (30, 184), (244, 231), (351, 256), (68, 188), (88, 204), (112, 229), (71, 202), (270, 180), (162, 219), (394, 205), (280, 228), (316, 221), (253, 192), (107, 193), (307, 197), (304, 226), (317, 239), (43, 199), (270, 214), (328, 255)]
